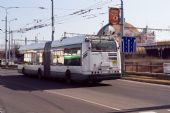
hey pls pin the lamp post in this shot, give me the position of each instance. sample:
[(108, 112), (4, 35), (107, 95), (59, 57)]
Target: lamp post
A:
[(6, 19), (122, 34), (52, 19)]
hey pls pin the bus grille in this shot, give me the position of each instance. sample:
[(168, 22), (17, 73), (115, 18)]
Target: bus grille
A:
[(112, 54)]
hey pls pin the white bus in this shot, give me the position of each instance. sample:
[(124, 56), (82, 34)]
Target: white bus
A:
[(78, 58)]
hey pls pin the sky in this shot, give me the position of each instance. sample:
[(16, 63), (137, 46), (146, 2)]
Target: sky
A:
[(154, 13)]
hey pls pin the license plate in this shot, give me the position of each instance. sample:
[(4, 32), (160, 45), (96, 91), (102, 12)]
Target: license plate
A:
[(114, 61)]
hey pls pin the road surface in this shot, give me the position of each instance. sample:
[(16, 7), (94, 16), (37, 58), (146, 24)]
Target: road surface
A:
[(20, 94)]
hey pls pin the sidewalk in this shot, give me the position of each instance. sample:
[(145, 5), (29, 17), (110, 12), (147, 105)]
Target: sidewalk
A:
[(148, 79)]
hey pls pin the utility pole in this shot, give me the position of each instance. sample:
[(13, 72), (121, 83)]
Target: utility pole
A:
[(10, 38), (52, 19), (65, 34), (6, 40), (9, 43), (14, 50), (122, 34), (12, 46)]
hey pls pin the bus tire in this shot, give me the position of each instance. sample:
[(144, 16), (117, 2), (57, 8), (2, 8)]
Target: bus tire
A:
[(67, 77), (23, 71), (40, 74)]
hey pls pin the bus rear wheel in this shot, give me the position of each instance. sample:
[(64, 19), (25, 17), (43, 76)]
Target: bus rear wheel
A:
[(23, 71), (40, 74), (67, 77)]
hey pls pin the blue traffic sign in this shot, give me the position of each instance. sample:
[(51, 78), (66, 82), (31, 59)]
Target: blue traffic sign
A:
[(128, 44)]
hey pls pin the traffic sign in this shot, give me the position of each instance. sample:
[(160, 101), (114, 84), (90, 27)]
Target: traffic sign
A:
[(128, 44)]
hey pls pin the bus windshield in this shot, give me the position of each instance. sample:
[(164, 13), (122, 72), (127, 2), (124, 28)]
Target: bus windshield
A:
[(103, 46)]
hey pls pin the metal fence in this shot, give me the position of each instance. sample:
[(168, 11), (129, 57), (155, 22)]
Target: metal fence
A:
[(155, 66)]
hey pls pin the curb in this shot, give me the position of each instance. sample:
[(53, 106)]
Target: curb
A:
[(154, 81)]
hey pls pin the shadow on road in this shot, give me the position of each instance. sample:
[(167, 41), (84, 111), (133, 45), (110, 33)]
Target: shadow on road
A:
[(162, 107), (23, 83)]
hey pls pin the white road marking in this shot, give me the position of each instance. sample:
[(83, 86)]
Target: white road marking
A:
[(88, 101), (147, 112), (169, 110)]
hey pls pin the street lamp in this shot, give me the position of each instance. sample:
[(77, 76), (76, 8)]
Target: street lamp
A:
[(6, 19), (52, 19)]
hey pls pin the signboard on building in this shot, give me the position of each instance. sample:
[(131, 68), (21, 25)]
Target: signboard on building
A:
[(114, 17), (128, 44)]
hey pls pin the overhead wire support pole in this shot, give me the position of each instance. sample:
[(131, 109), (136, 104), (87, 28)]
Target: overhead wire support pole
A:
[(6, 19), (6, 35), (10, 38), (52, 19), (6, 40), (9, 43), (121, 37)]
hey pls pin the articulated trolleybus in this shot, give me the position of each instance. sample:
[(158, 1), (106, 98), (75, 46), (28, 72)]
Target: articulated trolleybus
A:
[(77, 58)]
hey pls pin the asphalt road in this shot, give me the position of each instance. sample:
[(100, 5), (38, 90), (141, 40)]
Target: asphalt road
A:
[(19, 94)]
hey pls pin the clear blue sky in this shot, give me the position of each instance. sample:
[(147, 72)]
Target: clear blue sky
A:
[(154, 13)]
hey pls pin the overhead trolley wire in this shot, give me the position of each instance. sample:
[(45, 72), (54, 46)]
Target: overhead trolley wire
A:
[(61, 19)]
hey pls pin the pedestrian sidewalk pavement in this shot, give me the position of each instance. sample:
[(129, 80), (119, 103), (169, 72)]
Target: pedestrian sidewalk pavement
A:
[(147, 79)]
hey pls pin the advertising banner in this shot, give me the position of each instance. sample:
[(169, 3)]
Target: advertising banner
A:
[(114, 16)]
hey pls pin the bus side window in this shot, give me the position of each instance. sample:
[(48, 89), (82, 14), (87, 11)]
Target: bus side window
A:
[(39, 59), (72, 57), (57, 57)]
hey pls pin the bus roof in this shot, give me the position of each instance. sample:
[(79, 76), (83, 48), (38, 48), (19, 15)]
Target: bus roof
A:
[(36, 46), (68, 41), (58, 43)]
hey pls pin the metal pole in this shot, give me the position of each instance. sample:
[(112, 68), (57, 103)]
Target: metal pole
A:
[(14, 49), (9, 43), (12, 45), (65, 34), (122, 34), (6, 19), (52, 19), (6, 40), (25, 40), (10, 39)]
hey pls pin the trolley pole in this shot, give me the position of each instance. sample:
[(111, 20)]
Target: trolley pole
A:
[(122, 34)]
